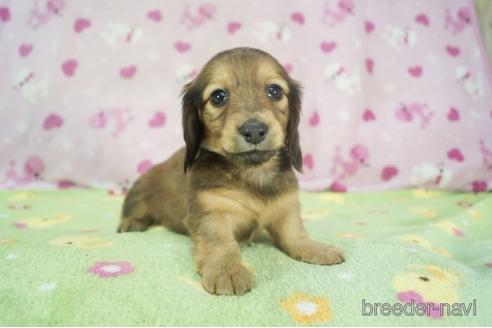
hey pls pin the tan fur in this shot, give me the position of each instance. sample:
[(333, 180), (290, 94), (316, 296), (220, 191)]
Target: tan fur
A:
[(226, 195)]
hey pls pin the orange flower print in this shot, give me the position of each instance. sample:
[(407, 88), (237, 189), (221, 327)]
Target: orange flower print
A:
[(307, 309)]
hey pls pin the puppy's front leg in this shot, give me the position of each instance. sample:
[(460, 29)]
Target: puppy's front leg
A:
[(217, 256), (289, 234)]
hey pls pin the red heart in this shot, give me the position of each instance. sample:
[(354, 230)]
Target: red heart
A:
[(182, 47), (369, 65), (233, 27), (479, 186)]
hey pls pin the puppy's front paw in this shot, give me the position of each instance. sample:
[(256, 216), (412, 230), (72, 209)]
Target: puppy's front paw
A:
[(131, 225), (228, 280), (318, 253)]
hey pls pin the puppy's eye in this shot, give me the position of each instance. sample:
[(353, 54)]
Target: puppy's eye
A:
[(219, 97), (274, 91)]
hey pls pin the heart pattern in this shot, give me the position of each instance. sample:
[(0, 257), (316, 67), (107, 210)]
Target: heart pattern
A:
[(128, 72), (158, 120), (233, 27), (376, 90), (81, 24), (415, 71), (155, 15), (182, 47), (25, 50), (69, 67), (328, 46), (52, 121)]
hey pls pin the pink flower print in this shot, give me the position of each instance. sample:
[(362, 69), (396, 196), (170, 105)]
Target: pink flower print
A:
[(111, 269)]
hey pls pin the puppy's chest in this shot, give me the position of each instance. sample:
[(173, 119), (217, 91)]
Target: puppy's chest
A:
[(244, 210)]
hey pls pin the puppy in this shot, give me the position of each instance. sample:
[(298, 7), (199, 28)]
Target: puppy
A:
[(236, 175)]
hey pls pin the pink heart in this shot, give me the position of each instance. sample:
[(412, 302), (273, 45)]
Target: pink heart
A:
[(327, 47), (314, 119), (288, 67), (4, 14), (128, 72), (338, 187), (52, 121), (453, 51), (298, 18), (233, 27), (455, 154), (307, 161), (388, 173), (182, 47), (479, 186), (422, 19), (369, 65), (368, 26), (144, 166), (453, 114), (155, 15), (69, 67), (158, 120), (368, 115), (81, 24), (415, 71), (25, 50), (66, 184)]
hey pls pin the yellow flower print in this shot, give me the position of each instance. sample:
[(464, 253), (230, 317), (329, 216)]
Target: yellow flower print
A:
[(424, 243), (307, 309), (43, 222), (450, 228), (333, 198), (351, 235), (422, 193), (7, 241), (82, 242), (425, 212), (315, 213), (21, 196)]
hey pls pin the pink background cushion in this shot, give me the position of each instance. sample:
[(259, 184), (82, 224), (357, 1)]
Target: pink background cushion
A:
[(397, 93)]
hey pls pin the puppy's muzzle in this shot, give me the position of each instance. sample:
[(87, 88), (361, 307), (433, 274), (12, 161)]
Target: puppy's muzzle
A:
[(253, 131)]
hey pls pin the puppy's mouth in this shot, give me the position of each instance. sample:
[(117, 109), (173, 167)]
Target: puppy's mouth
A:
[(253, 157)]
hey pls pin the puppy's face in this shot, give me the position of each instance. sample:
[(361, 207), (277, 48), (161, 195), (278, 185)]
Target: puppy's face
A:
[(244, 106)]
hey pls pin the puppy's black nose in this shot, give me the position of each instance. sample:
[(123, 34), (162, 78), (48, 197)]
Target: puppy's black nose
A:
[(253, 131)]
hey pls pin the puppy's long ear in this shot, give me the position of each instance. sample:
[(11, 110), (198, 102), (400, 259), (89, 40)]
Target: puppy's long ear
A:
[(192, 126), (292, 135)]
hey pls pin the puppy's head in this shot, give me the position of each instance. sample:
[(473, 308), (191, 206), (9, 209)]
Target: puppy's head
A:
[(244, 106)]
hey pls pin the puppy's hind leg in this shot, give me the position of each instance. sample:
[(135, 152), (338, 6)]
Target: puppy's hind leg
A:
[(135, 215)]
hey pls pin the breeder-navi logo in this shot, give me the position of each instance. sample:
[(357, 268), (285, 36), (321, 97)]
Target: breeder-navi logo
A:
[(420, 309)]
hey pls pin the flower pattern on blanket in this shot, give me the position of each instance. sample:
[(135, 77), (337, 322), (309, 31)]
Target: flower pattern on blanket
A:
[(404, 101), (307, 309), (428, 284)]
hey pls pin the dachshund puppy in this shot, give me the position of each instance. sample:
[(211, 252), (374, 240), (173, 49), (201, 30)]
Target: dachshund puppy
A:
[(236, 175)]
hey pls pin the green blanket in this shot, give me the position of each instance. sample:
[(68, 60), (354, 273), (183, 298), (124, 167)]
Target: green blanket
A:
[(61, 263)]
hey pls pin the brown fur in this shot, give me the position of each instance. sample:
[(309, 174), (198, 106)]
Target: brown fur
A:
[(226, 194)]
